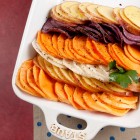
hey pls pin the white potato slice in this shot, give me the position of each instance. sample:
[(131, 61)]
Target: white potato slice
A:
[(83, 9), (107, 12), (133, 14)]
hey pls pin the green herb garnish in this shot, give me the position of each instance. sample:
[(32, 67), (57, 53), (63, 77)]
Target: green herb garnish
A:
[(122, 76)]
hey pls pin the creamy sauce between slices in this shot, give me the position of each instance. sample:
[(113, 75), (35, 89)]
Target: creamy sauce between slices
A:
[(99, 72)]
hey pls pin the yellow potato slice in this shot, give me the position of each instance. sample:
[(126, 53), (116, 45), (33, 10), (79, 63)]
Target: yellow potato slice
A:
[(132, 28), (92, 9), (100, 84), (83, 8), (40, 61), (107, 12), (133, 14), (65, 73), (76, 13), (59, 74), (82, 83)]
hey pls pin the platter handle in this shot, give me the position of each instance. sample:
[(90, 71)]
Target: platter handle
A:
[(65, 133)]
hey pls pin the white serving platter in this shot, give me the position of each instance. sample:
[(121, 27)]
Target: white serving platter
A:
[(95, 121)]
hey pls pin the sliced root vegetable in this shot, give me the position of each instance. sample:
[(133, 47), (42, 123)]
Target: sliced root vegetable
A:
[(26, 87), (67, 50), (133, 14), (79, 46), (78, 98), (32, 83), (61, 44), (47, 42), (40, 61), (65, 73), (76, 13), (91, 102), (100, 84), (83, 84), (54, 43), (115, 56), (83, 8), (23, 78), (59, 90), (39, 41), (127, 53), (128, 25), (59, 74), (69, 90), (108, 108), (92, 10), (50, 71), (116, 89), (134, 51), (115, 104), (90, 50), (46, 84), (107, 12), (101, 50), (78, 57), (36, 71), (127, 62), (127, 100)]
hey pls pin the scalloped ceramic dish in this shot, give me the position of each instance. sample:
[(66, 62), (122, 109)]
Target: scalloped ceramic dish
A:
[(95, 121)]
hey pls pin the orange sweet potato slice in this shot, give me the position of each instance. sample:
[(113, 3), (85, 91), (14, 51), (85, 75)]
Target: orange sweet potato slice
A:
[(69, 90), (113, 103), (23, 77), (79, 47), (78, 98), (36, 71), (54, 44), (61, 44), (66, 50), (25, 88), (127, 53), (47, 42), (101, 50), (59, 90), (39, 41), (46, 84), (78, 57), (134, 51), (92, 103), (108, 108), (127, 100), (90, 50), (115, 57), (32, 83), (127, 62)]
